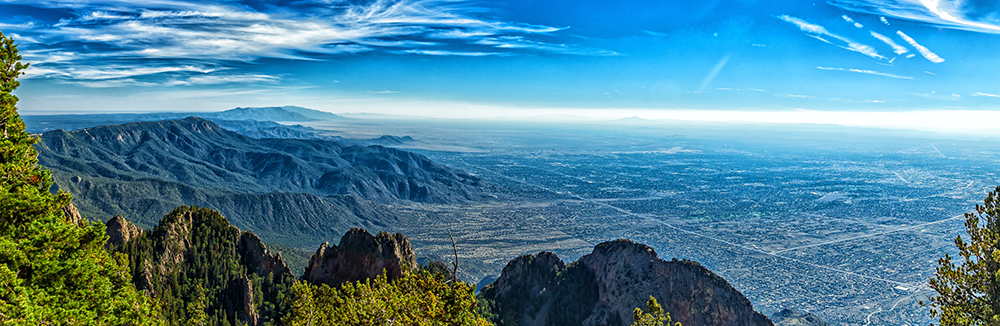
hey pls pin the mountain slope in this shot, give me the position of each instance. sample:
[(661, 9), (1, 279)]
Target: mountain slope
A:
[(603, 288), (292, 219), (199, 153)]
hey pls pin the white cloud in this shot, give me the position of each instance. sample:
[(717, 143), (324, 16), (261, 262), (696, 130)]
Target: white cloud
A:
[(985, 94), (884, 21), (201, 33), (849, 20), (947, 13), (111, 71), (931, 56), (449, 53), (868, 72), (818, 31), (520, 42), (223, 79), (898, 49)]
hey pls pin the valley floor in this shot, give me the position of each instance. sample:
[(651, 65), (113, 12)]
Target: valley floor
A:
[(849, 230)]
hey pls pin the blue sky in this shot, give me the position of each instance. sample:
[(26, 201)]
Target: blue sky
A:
[(509, 58)]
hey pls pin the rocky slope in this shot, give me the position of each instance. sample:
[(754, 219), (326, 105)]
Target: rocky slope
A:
[(361, 256), (604, 287), (120, 231), (298, 220), (790, 317), (195, 251)]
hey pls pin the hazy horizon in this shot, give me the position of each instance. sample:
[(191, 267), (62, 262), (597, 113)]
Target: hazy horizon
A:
[(907, 64)]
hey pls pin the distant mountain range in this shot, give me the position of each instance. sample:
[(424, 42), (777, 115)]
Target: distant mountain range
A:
[(253, 122), (43, 123), (299, 189)]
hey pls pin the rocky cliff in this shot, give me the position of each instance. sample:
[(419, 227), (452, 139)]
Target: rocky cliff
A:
[(120, 231), (244, 282), (791, 317), (361, 256), (256, 256), (604, 287)]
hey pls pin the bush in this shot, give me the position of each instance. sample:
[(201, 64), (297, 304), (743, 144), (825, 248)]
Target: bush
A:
[(414, 299)]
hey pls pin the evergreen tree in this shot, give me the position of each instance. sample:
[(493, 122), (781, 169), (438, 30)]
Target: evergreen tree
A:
[(196, 308), (51, 270), (969, 292), (655, 316)]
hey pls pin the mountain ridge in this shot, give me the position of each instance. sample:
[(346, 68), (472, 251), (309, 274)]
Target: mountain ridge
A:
[(603, 288), (200, 153), (44, 123)]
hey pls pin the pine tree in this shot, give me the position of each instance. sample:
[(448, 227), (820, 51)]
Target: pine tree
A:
[(196, 308), (969, 292), (655, 317), (52, 271)]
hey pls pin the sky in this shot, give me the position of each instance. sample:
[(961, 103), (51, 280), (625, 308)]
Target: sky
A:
[(861, 62)]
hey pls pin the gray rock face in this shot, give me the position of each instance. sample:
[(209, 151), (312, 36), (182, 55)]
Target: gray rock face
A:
[(604, 287), (361, 256), (120, 231), (256, 255), (243, 304), (72, 214), (790, 317)]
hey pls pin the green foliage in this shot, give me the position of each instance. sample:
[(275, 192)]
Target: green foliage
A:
[(414, 299), (191, 257), (655, 316), (51, 270), (969, 292), (196, 315)]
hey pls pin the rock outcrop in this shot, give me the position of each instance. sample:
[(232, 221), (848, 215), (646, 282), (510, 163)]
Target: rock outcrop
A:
[(256, 256), (120, 231), (361, 256), (243, 301), (72, 214), (193, 245), (604, 287), (791, 317)]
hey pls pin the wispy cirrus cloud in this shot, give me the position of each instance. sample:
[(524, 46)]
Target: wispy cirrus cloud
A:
[(958, 14), (112, 39), (924, 51), (984, 94), (864, 71), (896, 48), (850, 20), (521, 42), (820, 33), (450, 53)]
